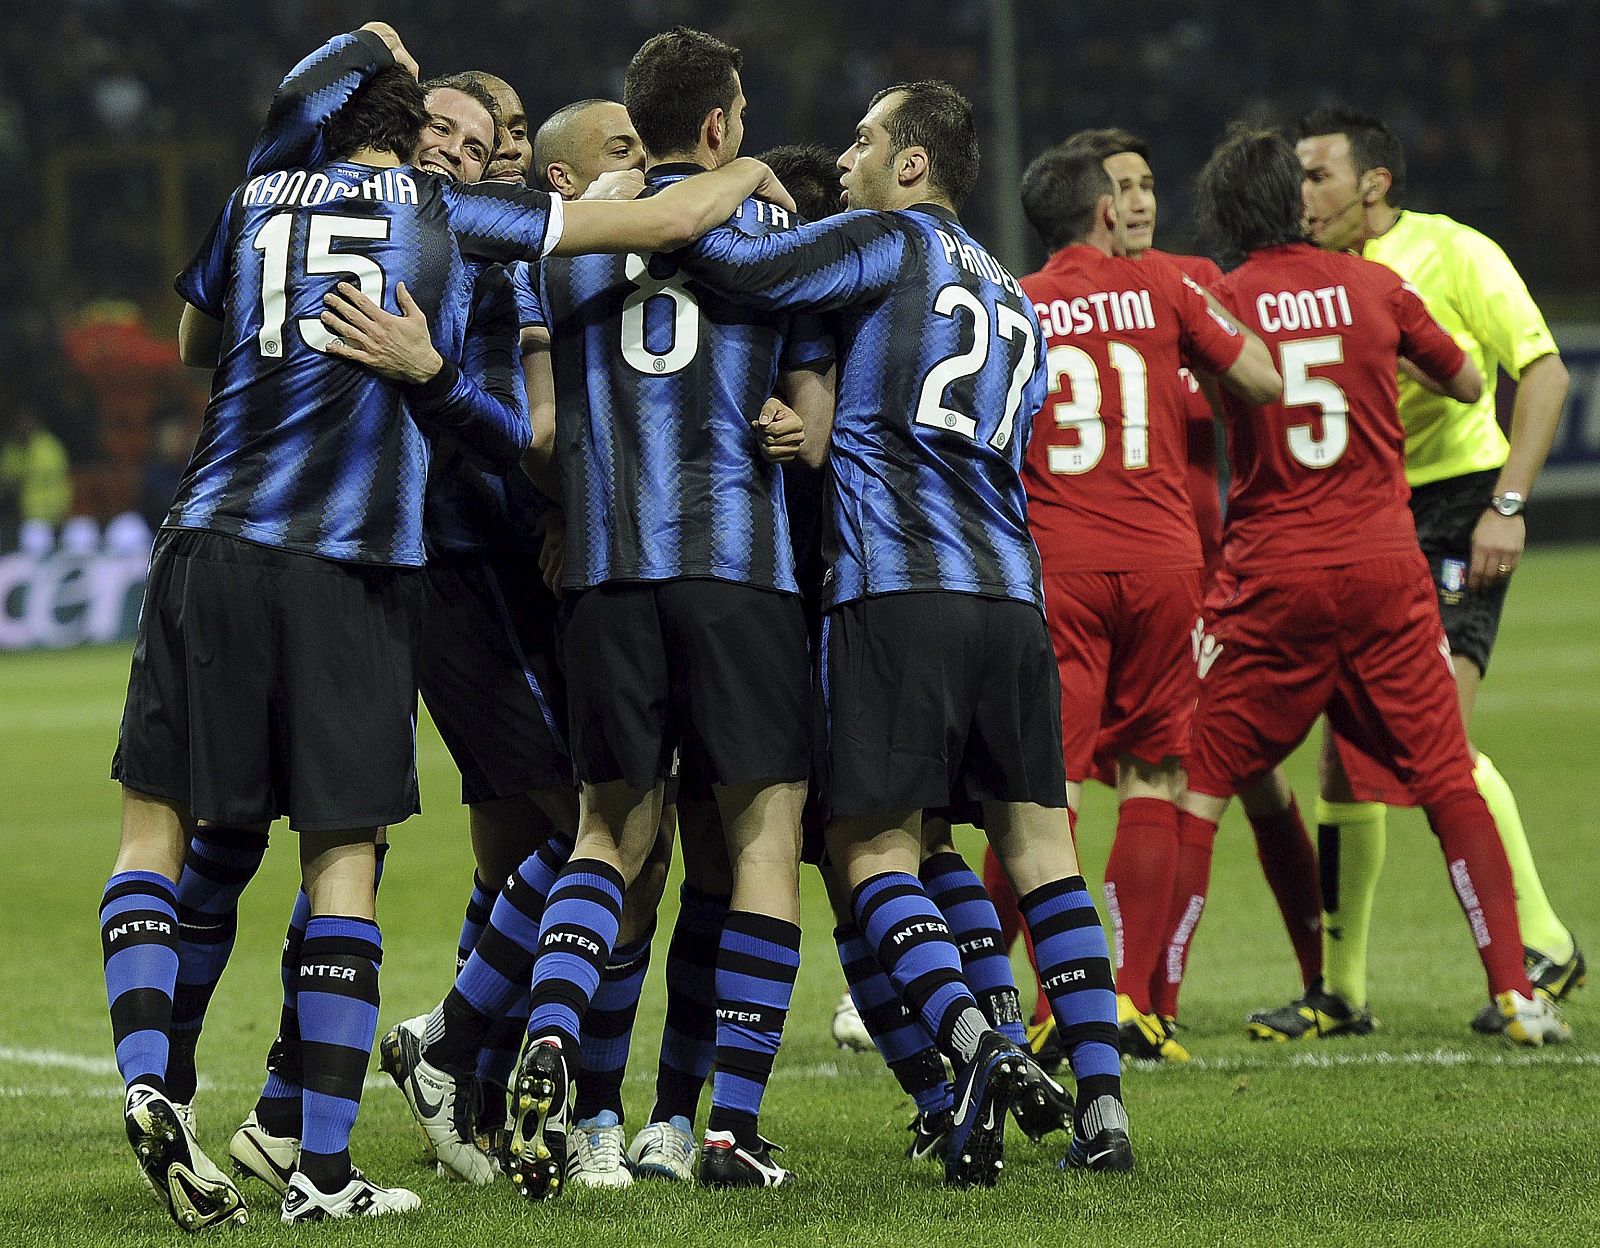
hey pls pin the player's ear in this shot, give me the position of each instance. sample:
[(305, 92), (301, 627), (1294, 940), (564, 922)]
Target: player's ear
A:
[(715, 129), (1106, 212), (560, 179), (1375, 184), (913, 164)]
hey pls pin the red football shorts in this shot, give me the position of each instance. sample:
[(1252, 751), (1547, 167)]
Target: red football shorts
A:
[(1127, 685), (1362, 642)]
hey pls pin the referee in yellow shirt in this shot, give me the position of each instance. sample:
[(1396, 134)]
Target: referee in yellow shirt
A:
[(1470, 488)]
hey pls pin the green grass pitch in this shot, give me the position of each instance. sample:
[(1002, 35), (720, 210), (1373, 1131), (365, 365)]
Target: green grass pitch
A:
[(1420, 1134)]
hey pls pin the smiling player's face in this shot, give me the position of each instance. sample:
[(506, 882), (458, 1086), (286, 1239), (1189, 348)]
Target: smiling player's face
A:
[(459, 137)]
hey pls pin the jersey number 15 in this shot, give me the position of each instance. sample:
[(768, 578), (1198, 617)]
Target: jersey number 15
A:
[(323, 230)]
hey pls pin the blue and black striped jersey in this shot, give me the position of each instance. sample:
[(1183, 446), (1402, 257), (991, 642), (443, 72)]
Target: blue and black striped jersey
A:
[(941, 372), (657, 380), (471, 509), (477, 499), (308, 452), (313, 91)]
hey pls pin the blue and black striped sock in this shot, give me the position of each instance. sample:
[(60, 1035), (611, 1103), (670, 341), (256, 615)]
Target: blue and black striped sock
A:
[(608, 1030), (217, 866), (499, 969), (689, 1038), (975, 927), (139, 944), (903, 1042), (575, 940), (278, 1106), (914, 947), (1075, 971), (757, 962), (475, 920), (338, 1016)]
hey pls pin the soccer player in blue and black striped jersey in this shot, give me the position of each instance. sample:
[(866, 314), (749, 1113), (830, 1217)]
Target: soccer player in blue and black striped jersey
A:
[(685, 628), (272, 672), (937, 675)]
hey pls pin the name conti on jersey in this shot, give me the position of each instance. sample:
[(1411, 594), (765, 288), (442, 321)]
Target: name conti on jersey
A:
[(1287, 310), (976, 260), (302, 188)]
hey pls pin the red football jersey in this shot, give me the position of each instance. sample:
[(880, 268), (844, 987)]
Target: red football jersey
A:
[(1319, 476), (1204, 491), (1107, 466)]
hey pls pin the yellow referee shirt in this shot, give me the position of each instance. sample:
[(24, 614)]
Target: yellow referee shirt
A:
[(1472, 290)]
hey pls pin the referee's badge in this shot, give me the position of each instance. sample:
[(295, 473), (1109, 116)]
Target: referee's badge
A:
[(1452, 578)]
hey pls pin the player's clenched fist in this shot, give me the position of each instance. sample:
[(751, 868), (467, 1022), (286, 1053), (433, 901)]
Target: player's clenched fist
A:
[(780, 430)]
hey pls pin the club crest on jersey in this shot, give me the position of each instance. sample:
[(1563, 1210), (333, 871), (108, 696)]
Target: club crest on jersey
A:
[(1452, 579), (1206, 648)]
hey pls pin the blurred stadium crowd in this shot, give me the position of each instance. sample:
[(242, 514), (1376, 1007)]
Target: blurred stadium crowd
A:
[(123, 124)]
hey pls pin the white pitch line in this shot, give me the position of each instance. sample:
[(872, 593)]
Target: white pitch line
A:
[(863, 1068), (58, 1060), (1363, 1058)]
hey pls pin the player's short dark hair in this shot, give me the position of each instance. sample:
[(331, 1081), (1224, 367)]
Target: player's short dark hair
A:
[(1249, 192), (470, 85), (673, 81), (811, 175), (1061, 192), (386, 113), (549, 140), (1372, 144), (937, 118), (1107, 141)]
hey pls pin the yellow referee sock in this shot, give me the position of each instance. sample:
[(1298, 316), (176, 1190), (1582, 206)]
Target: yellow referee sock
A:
[(1351, 840), (1542, 928)]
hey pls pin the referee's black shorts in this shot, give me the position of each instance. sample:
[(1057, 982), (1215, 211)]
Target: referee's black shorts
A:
[(267, 683), (488, 670), (717, 668), (938, 699), (1446, 513)]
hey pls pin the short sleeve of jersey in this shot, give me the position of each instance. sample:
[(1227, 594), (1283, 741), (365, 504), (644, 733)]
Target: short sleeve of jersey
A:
[(525, 287), (808, 343), (1207, 341), (1423, 340), (204, 282), (823, 266), (1495, 304), (494, 221)]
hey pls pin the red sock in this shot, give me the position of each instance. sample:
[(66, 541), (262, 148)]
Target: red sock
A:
[(1290, 865), (998, 886), (1140, 877), (1481, 877), (1193, 880)]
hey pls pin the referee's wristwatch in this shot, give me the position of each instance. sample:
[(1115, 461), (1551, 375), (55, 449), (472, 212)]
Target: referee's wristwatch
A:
[(1510, 504)]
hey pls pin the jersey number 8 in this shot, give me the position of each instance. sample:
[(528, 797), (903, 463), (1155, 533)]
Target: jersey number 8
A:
[(685, 320)]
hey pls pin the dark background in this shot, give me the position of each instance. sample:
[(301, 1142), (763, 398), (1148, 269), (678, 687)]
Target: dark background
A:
[(124, 124)]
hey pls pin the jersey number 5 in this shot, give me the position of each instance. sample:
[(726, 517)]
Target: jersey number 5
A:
[(323, 230), (931, 409), (1300, 389)]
